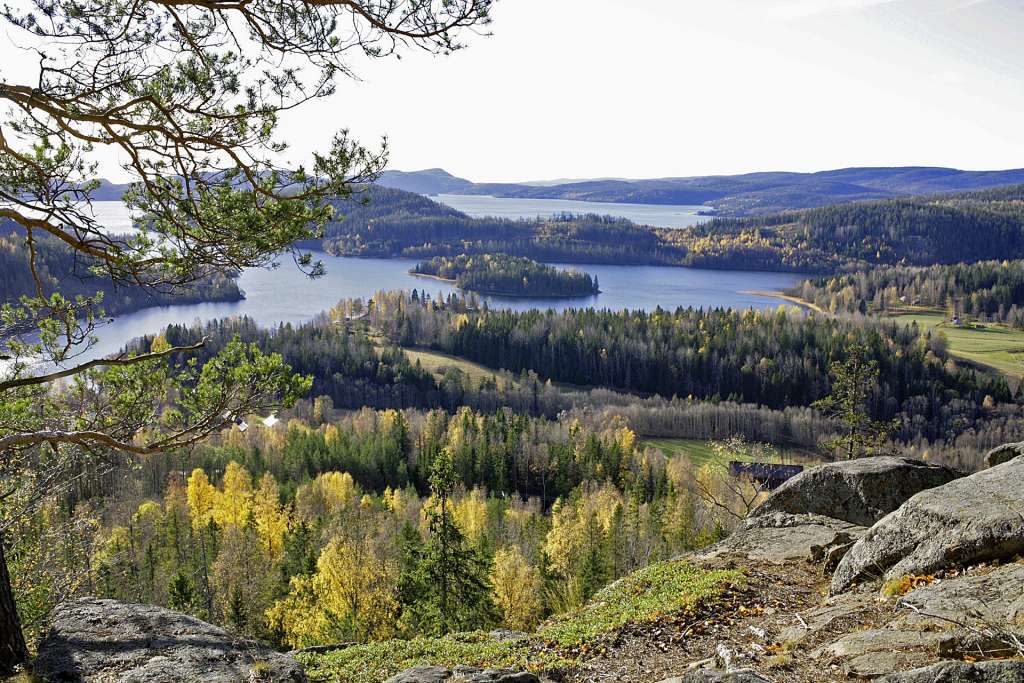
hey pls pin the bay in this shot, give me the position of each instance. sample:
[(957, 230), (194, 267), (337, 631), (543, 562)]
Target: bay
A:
[(657, 215)]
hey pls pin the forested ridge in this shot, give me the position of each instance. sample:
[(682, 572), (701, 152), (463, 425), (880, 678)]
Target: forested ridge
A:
[(62, 268), (990, 290), (507, 275), (776, 358), (736, 195), (915, 231)]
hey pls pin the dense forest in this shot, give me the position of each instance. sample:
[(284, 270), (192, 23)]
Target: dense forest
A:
[(661, 363), (986, 290), (321, 531), (63, 269), (501, 274)]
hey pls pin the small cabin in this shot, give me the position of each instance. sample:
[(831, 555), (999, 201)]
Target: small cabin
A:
[(766, 474)]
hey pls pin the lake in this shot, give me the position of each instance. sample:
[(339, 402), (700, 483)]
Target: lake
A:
[(658, 215), (285, 295)]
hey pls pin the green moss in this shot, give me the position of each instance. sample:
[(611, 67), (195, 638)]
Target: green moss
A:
[(660, 589), (376, 662)]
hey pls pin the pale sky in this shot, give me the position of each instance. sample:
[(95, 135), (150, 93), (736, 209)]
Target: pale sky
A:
[(652, 88)]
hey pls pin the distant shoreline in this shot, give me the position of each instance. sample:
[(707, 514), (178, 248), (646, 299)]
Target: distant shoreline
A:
[(786, 297)]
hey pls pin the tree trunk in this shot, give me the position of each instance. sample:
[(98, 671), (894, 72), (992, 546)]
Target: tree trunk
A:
[(13, 650)]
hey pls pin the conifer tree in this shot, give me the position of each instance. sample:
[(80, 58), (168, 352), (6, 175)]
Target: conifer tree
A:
[(853, 380), (445, 583)]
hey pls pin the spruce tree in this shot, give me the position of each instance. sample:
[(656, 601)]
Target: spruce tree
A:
[(853, 380), (445, 583)]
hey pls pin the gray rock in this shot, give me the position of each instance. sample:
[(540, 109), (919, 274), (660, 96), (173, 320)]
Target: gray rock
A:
[(94, 641), (969, 520), (816, 619), (504, 635), (422, 674), (713, 676), (462, 674), (859, 491), (991, 598), (961, 672), (1004, 453), (780, 537), (878, 640)]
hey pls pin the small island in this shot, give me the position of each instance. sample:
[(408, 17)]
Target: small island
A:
[(504, 275)]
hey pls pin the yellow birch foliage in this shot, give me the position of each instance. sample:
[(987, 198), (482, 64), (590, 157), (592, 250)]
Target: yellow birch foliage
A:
[(470, 515), (271, 518), (567, 539), (351, 597), (202, 497), (517, 589), (234, 504), (325, 495)]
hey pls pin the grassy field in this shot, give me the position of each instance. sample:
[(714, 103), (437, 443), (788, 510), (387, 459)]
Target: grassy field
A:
[(996, 346), (435, 362), (700, 452)]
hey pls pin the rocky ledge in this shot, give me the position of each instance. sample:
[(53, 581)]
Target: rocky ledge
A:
[(880, 569), (103, 641)]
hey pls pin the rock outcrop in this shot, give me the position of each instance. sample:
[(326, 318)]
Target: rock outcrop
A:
[(782, 537), (710, 676), (969, 520), (961, 672), (462, 674), (100, 641), (1004, 453), (858, 492)]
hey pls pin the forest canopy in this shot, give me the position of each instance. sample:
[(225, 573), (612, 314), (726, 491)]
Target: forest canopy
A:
[(505, 275)]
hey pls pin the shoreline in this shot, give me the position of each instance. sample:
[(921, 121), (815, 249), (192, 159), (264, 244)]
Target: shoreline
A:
[(786, 297)]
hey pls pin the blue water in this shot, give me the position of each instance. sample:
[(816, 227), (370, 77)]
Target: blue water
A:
[(658, 215), (286, 295)]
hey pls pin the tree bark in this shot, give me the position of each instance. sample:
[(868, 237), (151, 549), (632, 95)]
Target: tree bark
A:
[(13, 650)]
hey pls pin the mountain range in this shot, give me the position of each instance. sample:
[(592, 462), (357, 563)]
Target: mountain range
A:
[(735, 195)]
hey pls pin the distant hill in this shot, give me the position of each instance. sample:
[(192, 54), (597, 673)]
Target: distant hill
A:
[(738, 195), (430, 181), (750, 194)]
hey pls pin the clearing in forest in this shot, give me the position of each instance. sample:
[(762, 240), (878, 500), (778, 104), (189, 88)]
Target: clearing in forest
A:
[(990, 344)]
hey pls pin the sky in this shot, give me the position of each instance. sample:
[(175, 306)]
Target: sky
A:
[(657, 88)]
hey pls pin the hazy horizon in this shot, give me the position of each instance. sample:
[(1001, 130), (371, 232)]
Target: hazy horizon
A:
[(590, 89)]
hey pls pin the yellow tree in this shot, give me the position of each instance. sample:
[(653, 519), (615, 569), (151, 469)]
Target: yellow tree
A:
[(234, 503), (351, 596), (329, 493), (356, 589), (517, 589), (271, 518), (471, 516), (202, 497)]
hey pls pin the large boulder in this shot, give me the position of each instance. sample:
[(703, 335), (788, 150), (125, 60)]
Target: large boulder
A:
[(101, 641), (969, 520), (961, 672), (859, 491), (1004, 453)]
